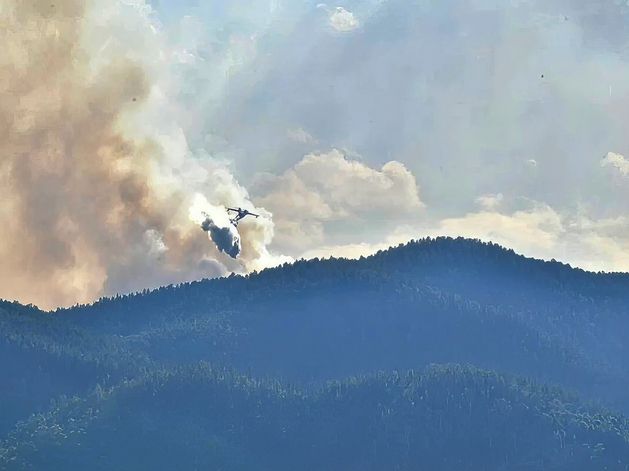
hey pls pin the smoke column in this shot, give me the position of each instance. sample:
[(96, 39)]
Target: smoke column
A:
[(96, 182)]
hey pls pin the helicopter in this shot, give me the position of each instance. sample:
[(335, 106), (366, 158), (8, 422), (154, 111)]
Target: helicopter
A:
[(241, 214)]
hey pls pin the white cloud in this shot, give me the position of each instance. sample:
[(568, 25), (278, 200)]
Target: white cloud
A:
[(299, 135), (616, 161), (539, 232), (489, 202), (536, 230), (329, 188), (343, 20)]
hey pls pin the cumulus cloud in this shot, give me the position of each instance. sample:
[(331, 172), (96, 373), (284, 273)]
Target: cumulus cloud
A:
[(299, 135), (489, 202), (537, 229), (540, 232), (324, 195), (343, 20), (617, 161)]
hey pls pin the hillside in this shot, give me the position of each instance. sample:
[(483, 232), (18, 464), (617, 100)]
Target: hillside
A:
[(129, 374), (44, 357), (442, 418), (435, 300)]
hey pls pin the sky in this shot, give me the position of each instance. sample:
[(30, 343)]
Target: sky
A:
[(348, 127)]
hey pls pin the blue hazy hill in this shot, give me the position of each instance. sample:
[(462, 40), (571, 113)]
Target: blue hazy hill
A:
[(434, 300), (301, 325)]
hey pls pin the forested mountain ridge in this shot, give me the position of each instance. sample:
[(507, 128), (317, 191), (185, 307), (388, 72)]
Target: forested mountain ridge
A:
[(323, 319), (443, 293), (446, 301), (467, 269), (443, 417), (44, 357)]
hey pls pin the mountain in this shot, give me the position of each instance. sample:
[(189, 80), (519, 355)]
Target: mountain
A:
[(444, 417), (44, 357), (291, 330), (436, 300)]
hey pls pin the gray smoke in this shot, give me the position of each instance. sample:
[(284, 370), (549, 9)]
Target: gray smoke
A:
[(226, 238), (99, 191)]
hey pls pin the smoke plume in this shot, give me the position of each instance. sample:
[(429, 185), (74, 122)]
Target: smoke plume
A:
[(96, 183)]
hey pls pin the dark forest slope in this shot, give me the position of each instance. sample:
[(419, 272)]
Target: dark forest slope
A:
[(142, 401), (553, 296), (44, 357), (442, 418), (435, 300), (484, 272)]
